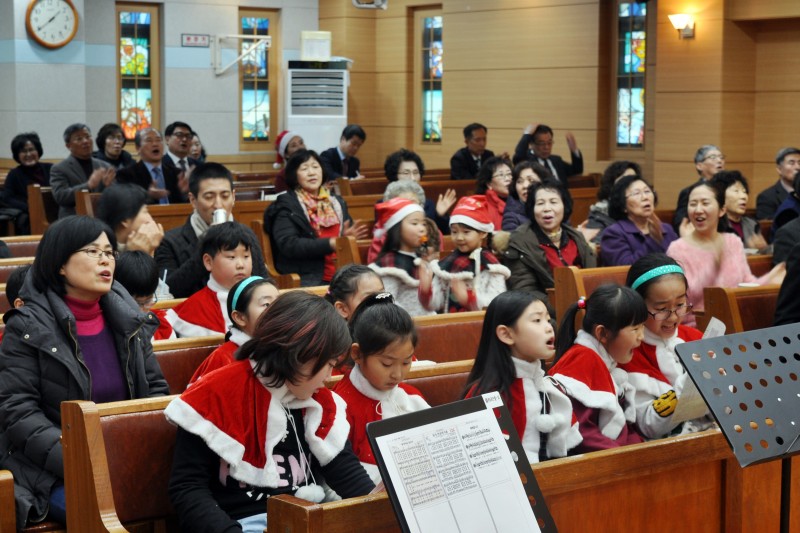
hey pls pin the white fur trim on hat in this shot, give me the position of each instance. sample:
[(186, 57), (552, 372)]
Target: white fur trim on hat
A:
[(285, 140), (400, 214), (472, 223)]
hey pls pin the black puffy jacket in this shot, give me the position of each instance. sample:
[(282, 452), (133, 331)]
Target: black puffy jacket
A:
[(41, 366)]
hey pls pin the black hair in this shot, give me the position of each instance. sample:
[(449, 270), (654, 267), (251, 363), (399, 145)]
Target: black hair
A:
[(487, 170), (19, 141), (727, 178), (137, 137), (137, 271), (105, 132), (354, 130), (207, 171), (170, 129), (72, 128), (618, 201), (391, 242), (294, 164), (392, 164), (15, 281), (493, 369), (537, 169), (469, 128), (62, 239), (612, 173), (344, 283), (719, 195), (225, 237), (549, 185), (378, 322), (120, 202), (613, 306), (296, 329), (646, 264), (243, 302), (542, 129)]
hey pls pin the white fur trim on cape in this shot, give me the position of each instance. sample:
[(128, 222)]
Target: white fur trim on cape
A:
[(230, 450), (187, 329), (563, 435), (396, 272), (391, 403), (667, 360), (238, 336)]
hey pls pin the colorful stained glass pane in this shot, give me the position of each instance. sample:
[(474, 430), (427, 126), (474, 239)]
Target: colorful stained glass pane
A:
[(134, 57), (432, 115), (633, 59), (254, 64), (126, 17), (435, 63), (136, 111), (630, 117), (255, 114), (255, 25)]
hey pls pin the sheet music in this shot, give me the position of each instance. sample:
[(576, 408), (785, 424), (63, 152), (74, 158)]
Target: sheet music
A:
[(691, 404), (457, 476)]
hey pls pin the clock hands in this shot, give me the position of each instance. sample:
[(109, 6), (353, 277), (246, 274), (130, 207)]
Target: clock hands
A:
[(48, 22)]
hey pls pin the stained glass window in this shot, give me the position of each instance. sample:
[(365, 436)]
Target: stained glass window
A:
[(631, 48), (135, 64), (432, 74), (254, 75)]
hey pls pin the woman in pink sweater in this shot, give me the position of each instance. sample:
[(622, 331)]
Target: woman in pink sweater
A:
[(711, 258)]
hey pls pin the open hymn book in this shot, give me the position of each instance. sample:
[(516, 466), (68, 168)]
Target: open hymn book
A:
[(459, 468)]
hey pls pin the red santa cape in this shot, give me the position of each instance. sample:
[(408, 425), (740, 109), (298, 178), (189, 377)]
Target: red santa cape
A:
[(222, 356), (203, 313), (590, 375), (531, 418), (366, 404), (484, 281), (241, 420), (164, 330)]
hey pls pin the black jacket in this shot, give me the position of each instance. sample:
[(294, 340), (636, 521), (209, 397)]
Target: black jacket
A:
[(139, 175), (768, 201), (564, 170), (464, 167), (179, 255), (332, 165), (295, 245), (41, 366)]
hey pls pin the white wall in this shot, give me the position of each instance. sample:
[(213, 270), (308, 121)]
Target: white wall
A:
[(46, 90)]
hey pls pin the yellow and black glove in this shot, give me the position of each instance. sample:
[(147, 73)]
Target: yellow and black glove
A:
[(665, 404)]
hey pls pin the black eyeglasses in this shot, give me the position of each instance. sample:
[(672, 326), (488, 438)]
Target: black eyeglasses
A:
[(96, 253), (680, 311)]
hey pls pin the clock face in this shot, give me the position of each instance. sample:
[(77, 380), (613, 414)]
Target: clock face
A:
[(52, 23)]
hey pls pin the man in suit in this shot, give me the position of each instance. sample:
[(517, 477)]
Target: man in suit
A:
[(536, 145), (179, 141), (341, 160), (78, 171), (164, 184), (465, 162), (768, 200)]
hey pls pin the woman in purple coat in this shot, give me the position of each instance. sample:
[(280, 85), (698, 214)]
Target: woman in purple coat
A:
[(638, 230)]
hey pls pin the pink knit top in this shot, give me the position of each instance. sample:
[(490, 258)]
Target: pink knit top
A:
[(702, 270)]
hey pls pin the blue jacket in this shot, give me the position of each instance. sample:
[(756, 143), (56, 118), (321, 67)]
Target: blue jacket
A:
[(622, 243)]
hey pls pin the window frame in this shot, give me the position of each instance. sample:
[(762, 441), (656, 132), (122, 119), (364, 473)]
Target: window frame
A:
[(418, 82), (155, 58), (273, 78)]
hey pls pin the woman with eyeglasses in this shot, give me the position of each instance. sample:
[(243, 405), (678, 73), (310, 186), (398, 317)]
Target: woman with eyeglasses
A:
[(494, 181), (655, 370), (709, 256), (79, 336), (637, 231)]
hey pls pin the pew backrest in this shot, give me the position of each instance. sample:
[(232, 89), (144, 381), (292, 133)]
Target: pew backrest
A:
[(23, 245), (42, 208), (573, 282), (284, 281), (449, 337), (742, 308), (180, 358)]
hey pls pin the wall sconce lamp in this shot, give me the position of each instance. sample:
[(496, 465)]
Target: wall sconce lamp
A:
[(684, 24)]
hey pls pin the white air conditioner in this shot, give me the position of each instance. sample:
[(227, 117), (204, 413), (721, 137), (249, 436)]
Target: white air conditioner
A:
[(317, 104)]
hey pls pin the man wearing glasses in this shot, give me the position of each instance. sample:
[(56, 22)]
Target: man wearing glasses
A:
[(536, 145), (708, 160), (179, 141)]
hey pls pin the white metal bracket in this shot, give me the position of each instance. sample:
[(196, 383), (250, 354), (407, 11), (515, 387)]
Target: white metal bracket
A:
[(216, 53)]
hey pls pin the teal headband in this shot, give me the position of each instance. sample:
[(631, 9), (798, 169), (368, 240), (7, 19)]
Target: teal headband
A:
[(245, 282), (656, 272)]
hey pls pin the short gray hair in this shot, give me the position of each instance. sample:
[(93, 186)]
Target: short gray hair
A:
[(72, 128), (701, 153), (400, 187)]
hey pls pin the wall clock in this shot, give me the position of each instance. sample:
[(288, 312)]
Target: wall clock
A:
[(51, 23)]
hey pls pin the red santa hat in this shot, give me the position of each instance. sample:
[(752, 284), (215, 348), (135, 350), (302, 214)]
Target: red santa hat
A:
[(281, 142), (473, 211), (392, 213)]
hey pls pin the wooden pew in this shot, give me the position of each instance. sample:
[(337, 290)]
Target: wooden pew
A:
[(171, 215), (432, 188), (117, 463), (582, 200), (284, 281), (247, 211), (180, 358), (7, 266), (42, 208), (363, 207), (573, 282), (23, 245), (449, 337), (742, 308), (347, 252), (685, 483), (583, 180), (759, 264)]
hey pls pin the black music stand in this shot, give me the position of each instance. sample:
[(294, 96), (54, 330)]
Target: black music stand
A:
[(751, 383)]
